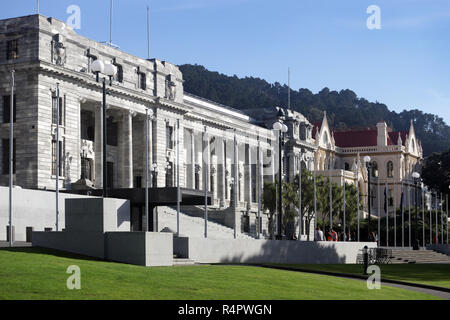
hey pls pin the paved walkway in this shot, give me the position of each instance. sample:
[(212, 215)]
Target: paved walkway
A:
[(17, 244)]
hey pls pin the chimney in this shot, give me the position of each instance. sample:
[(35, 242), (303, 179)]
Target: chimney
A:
[(381, 133)]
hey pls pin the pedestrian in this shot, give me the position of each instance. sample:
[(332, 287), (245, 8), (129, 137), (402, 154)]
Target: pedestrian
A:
[(318, 235)]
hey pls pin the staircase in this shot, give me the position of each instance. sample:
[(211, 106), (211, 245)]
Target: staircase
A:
[(192, 226), (418, 256), (182, 261)]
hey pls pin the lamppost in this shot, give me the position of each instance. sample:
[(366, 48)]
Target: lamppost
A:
[(416, 177), (154, 173), (84, 154), (369, 171), (109, 70), (282, 128)]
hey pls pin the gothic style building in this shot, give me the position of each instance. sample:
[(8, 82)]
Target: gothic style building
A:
[(45, 52)]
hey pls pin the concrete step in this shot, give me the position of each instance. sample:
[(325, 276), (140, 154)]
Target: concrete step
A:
[(194, 226), (183, 262), (418, 256)]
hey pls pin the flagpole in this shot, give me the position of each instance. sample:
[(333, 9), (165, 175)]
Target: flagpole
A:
[(446, 202), (442, 222), (259, 188), (57, 156), (379, 211), (409, 215), (235, 173), (331, 195), (315, 194), (386, 199), (148, 32), (402, 204), (395, 212), (437, 224), (146, 170), (300, 220), (37, 7), (11, 156), (178, 178), (205, 179), (431, 218), (345, 204), (357, 192), (423, 216)]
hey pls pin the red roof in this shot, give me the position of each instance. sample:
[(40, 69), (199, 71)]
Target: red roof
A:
[(350, 139), (365, 138)]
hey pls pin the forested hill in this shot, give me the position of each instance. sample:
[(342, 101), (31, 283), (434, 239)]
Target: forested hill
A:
[(344, 108)]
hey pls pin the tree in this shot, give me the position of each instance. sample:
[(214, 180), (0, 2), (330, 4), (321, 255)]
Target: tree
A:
[(344, 108), (436, 171)]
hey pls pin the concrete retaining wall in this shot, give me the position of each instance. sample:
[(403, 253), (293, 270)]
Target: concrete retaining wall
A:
[(32, 208), (267, 251), (140, 248)]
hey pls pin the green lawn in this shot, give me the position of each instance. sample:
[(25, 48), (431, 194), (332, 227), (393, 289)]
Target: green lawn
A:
[(431, 274), (31, 273)]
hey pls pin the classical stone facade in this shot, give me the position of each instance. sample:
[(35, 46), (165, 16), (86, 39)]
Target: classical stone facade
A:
[(46, 54), (394, 156)]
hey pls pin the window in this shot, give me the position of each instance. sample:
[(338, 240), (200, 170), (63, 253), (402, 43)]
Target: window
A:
[(169, 135), (246, 223), (138, 182), (111, 136), (325, 138), (142, 80), (7, 108), (169, 175), (62, 109), (390, 169), (374, 169), (12, 50), (61, 147), (390, 198), (119, 75), (346, 166), (91, 59), (5, 152)]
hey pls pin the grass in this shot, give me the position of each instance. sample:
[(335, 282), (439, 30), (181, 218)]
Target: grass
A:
[(430, 274), (32, 273)]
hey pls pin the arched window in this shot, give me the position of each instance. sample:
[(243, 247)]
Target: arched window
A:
[(374, 169), (325, 138), (346, 166), (413, 143), (390, 169)]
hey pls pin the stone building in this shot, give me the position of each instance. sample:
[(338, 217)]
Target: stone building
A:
[(45, 54), (394, 155)]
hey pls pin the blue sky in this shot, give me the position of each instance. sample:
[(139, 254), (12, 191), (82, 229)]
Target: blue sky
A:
[(325, 43)]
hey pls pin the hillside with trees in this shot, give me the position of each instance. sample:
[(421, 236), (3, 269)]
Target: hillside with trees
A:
[(344, 108)]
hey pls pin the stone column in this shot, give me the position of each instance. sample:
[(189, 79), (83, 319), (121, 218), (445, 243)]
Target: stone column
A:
[(159, 149), (248, 175), (221, 183), (127, 147), (192, 173), (98, 147)]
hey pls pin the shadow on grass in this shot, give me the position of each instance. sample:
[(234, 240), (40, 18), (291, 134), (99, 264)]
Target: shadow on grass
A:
[(52, 252)]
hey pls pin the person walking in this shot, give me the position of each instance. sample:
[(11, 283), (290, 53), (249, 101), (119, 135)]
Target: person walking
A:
[(318, 235)]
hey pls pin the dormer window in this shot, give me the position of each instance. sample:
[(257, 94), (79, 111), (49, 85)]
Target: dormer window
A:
[(12, 50), (119, 75), (91, 59), (142, 80)]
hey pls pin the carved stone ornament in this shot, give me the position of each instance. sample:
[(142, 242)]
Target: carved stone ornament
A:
[(171, 88), (58, 53)]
